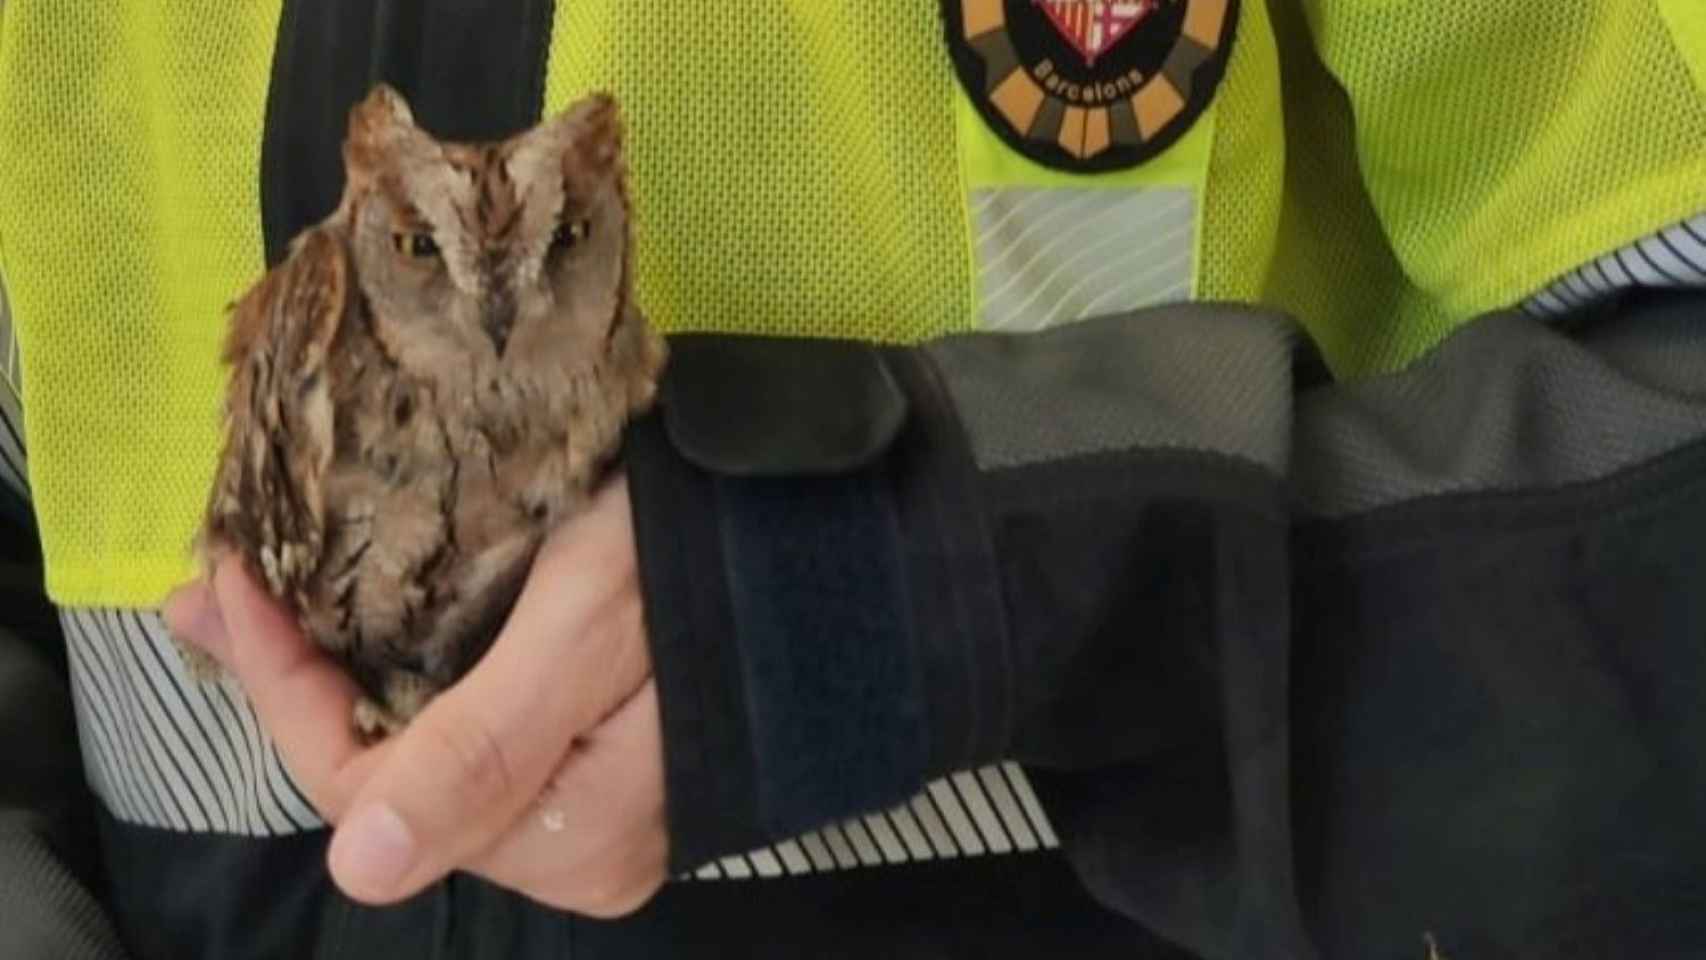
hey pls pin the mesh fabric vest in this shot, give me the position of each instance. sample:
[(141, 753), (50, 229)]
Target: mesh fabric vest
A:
[(1384, 168)]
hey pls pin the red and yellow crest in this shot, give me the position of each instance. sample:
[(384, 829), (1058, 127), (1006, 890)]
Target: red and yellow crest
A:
[(1094, 26)]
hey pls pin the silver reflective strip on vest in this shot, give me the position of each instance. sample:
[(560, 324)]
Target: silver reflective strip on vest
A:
[(1052, 256), (163, 750), (12, 469), (1671, 258), (986, 812)]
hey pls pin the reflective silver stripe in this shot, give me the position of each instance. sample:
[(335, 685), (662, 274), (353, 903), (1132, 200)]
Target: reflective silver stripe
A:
[(163, 750), (1047, 257), (12, 468), (1674, 257), (991, 811)]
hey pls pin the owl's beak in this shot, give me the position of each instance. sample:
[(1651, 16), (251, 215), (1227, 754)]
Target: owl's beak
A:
[(499, 321)]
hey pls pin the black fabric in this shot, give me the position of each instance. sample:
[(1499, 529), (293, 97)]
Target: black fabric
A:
[(1026, 639), (984, 908), (1472, 718), (1151, 595), (952, 586), (815, 711), (833, 690), (24, 607), (1170, 697), (1500, 716), (50, 869), (952, 576), (779, 406), (45, 911), (470, 69), (213, 895), (1113, 571), (238, 898), (14, 509), (36, 728), (784, 427), (701, 693)]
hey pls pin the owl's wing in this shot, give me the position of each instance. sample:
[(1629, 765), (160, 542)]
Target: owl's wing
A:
[(268, 497)]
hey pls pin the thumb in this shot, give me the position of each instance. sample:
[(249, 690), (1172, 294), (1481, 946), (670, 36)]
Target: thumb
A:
[(193, 616), (303, 698)]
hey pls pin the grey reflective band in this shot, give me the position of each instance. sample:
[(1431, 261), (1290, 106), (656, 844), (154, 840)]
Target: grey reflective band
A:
[(1214, 379), (1051, 256), (13, 473), (1671, 258), (1505, 405), (163, 751)]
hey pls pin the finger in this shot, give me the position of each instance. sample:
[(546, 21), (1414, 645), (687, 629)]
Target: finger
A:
[(578, 616), (595, 842), (192, 615), (466, 766), (303, 698)]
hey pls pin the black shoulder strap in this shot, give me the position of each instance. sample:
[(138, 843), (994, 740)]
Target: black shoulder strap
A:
[(471, 69)]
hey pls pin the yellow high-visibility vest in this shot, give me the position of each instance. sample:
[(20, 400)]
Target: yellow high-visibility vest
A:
[(1385, 169)]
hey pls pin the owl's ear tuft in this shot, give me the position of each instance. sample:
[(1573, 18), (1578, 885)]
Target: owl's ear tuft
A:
[(376, 124), (383, 108), (595, 133)]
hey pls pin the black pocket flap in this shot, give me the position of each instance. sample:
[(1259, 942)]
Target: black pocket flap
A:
[(774, 407)]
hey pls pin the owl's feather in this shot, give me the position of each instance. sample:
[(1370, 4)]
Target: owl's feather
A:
[(435, 377)]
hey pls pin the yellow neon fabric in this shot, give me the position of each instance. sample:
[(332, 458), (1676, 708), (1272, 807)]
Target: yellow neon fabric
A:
[(1687, 22), (794, 165), (1242, 195), (1505, 142), (129, 217), (828, 149), (1383, 168)]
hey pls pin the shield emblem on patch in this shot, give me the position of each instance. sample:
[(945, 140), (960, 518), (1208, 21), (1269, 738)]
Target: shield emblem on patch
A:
[(1088, 86), (1094, 26)]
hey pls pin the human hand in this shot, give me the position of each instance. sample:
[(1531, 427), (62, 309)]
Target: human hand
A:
[(541, 770)]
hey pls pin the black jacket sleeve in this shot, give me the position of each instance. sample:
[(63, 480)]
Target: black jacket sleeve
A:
[(49, 856), (1297, 666)]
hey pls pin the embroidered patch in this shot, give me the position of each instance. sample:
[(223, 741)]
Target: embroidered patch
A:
[(1090, 85)]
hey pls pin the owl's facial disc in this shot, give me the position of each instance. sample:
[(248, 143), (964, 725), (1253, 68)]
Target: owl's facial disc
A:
[(483, 260)]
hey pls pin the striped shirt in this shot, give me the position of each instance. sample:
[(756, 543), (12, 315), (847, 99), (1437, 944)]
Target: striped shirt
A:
[(13, 473)]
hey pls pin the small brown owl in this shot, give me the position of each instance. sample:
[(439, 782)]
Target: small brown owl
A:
[(437, 375)]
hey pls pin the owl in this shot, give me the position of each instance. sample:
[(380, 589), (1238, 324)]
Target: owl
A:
[(437, 375)]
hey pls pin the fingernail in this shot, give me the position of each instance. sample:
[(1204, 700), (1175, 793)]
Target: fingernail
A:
[(372, 851)]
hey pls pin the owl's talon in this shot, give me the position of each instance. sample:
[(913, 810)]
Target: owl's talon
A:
[(373, 722), (198, 663), (406, 694)]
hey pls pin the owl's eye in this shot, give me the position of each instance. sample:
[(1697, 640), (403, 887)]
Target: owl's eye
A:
[(570, 233), (417, 245)]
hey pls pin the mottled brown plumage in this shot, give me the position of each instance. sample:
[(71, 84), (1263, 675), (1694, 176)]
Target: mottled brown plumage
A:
[(434, 378)]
